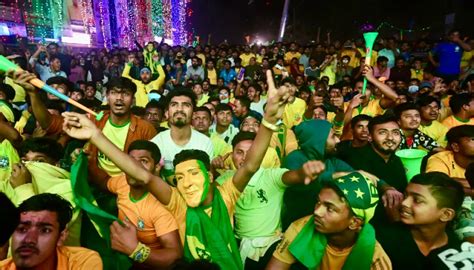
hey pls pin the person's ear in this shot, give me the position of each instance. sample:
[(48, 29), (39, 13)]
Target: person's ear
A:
[(447, 214), (157, 168), (211, 177), (355, 224), (455, 147), (62, 237)]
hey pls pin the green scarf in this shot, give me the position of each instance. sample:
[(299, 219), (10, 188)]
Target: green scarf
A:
[(98, 235), (211, 238), (309, 248)]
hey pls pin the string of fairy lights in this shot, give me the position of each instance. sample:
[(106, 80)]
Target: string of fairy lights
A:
[(109, 22)]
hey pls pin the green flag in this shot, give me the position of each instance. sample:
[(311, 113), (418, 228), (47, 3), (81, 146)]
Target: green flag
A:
[(97, 236)]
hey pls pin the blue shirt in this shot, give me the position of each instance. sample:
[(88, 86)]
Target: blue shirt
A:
[(228, 76), (449, 57)]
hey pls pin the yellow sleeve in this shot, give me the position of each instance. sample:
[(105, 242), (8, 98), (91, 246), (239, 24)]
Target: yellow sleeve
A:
[(380, 261), (291, 142), (282, 252), (164, 221), (126, 73), (19, 194), (271, 159), (230, 195), (158, 83), (437, 164)]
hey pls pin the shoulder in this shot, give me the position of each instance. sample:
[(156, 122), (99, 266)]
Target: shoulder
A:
[(81, 258), (162, 136), (443, 156)]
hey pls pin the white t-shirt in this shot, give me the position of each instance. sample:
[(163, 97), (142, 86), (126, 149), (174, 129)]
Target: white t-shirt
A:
[(258, 106), (169, 148)]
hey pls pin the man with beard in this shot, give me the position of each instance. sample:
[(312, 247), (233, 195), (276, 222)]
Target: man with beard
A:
[(37, 242), (317, 141), (195, 72), (118, 124), (180, 136), (379, 159), (145, 84), (409, 119)]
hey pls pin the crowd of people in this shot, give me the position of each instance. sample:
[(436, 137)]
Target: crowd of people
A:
[(278, 156)]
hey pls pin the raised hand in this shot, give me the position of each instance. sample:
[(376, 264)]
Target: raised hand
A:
[(123, 238), (368, 72), (312, 169), (22, 78), (79, 126), (355, 101), (277, 99), (218, 162), (20, 175)]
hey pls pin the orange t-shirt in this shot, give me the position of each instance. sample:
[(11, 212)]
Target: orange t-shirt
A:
[(69, 258), (451, 122), (149, 216)]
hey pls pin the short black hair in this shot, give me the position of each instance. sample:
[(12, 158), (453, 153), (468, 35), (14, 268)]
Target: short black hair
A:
[(156, 104), (244, 101), (148, 146), (122, 83), (257, 87), (190, 154), (456, 133), (379, 120), (399, 109), (381, 59), (49, 202), (447, 191), (61, 80), (457, 101), (223, 107), (11, 220), (358, 118), (204, 109), (181, 91), (243, 136), (288, 80), (138, 111), (51, 148), (426, 100)]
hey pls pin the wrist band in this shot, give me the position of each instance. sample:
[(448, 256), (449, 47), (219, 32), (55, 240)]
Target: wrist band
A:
[(141, 253), (270, 126)]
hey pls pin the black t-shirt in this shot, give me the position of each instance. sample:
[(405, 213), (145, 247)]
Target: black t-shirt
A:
[(392, 172), (398, 243)]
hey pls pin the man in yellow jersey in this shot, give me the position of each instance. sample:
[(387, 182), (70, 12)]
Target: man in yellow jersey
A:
[(145, 84), (429, 112), (462, 106)]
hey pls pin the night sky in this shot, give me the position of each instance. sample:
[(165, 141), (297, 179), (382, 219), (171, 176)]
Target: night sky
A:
[(233, 19)]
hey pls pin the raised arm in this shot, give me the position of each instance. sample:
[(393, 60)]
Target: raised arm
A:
[(385, 89), (305, 175), (80, 127), (40, 111), (10, 133), (277, 99)]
